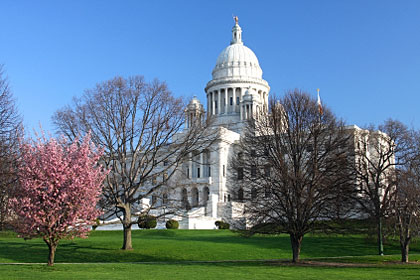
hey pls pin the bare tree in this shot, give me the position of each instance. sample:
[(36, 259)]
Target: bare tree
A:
[(140, 126), (377, 155), (405, 207), (292, 167), (10, 130)]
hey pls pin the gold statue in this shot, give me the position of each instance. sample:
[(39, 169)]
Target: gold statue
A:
[(236, 19)]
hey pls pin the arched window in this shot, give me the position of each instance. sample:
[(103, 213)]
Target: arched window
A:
[(241, 194), (184, 199), (194, 196), (206, 194), (164, 198)]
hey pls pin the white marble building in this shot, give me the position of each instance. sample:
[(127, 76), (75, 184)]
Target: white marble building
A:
[(236, 92)]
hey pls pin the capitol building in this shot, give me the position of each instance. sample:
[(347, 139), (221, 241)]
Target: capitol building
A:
[(236, 92)]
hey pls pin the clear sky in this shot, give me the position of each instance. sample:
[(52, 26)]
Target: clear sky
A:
[(364, 55)]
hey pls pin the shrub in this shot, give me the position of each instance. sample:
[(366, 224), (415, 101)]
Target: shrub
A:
[(147, 221), (172, 224), (222, 225), (97, 223)]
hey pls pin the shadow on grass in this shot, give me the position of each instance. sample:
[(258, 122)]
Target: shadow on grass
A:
[(179, 245)]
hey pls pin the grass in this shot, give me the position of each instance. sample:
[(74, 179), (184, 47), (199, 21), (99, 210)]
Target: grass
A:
[(175, 247)]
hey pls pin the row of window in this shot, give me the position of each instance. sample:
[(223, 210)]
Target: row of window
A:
[(199, 173), (253, 172)]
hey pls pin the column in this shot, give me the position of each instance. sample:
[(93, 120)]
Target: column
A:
[(234, 100), (226, 100), (213, 103), (190, 171), (219, 101), (201, 165)]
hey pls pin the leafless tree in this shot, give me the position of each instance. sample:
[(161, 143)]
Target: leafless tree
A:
[(379, 152), (10, 130), (292, 167), (140, 126), (405, 207)]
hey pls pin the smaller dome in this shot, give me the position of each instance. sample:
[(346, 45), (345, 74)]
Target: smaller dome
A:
[(194, 104), (194, 100), (250, 95)]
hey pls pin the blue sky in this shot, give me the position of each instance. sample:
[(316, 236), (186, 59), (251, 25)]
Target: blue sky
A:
[(363, 55)]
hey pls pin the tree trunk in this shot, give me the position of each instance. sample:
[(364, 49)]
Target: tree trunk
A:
[(380, 241), (127, 230), (52, 246), (296, 241), (404, 252)]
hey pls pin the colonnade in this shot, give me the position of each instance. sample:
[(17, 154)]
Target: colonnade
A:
[(228, 101)]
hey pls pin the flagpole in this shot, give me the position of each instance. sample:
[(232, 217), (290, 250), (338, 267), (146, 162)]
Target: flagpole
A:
[(320, 110)]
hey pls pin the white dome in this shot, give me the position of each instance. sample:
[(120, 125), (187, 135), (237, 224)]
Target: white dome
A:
[(237, 60)]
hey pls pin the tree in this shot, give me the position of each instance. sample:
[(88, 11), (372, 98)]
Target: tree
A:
[(59, 187), (10, 131), (140, 126), (379, 152), (405, 206), (293, 165)]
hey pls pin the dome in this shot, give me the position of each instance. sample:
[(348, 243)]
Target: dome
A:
[(237, 60)]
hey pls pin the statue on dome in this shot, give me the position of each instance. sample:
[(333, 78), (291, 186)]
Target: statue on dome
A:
[(236, 19)]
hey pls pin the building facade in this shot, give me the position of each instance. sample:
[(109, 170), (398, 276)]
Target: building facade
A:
[(236, 92)]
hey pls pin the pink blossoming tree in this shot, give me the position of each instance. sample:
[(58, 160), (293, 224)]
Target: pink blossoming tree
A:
[(59, 187)]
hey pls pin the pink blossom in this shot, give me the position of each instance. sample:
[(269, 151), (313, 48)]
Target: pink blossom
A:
[(59, 187)]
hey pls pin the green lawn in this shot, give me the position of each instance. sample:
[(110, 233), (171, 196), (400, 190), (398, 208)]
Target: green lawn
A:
[(176, 247)]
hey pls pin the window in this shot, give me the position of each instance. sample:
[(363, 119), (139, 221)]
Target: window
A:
[(165, 199), (224, 171), (198, 172), (237, 100), (267, 192), (266, 153), (253, 171), (253, 193), (241, 194), (209, 171), (206, 193), (165, 163), (310, 148), (240, 173), (184, 199), (194, 195), (228, 198), (154, 200), (231, 101), (188, 172), (267, 170)]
